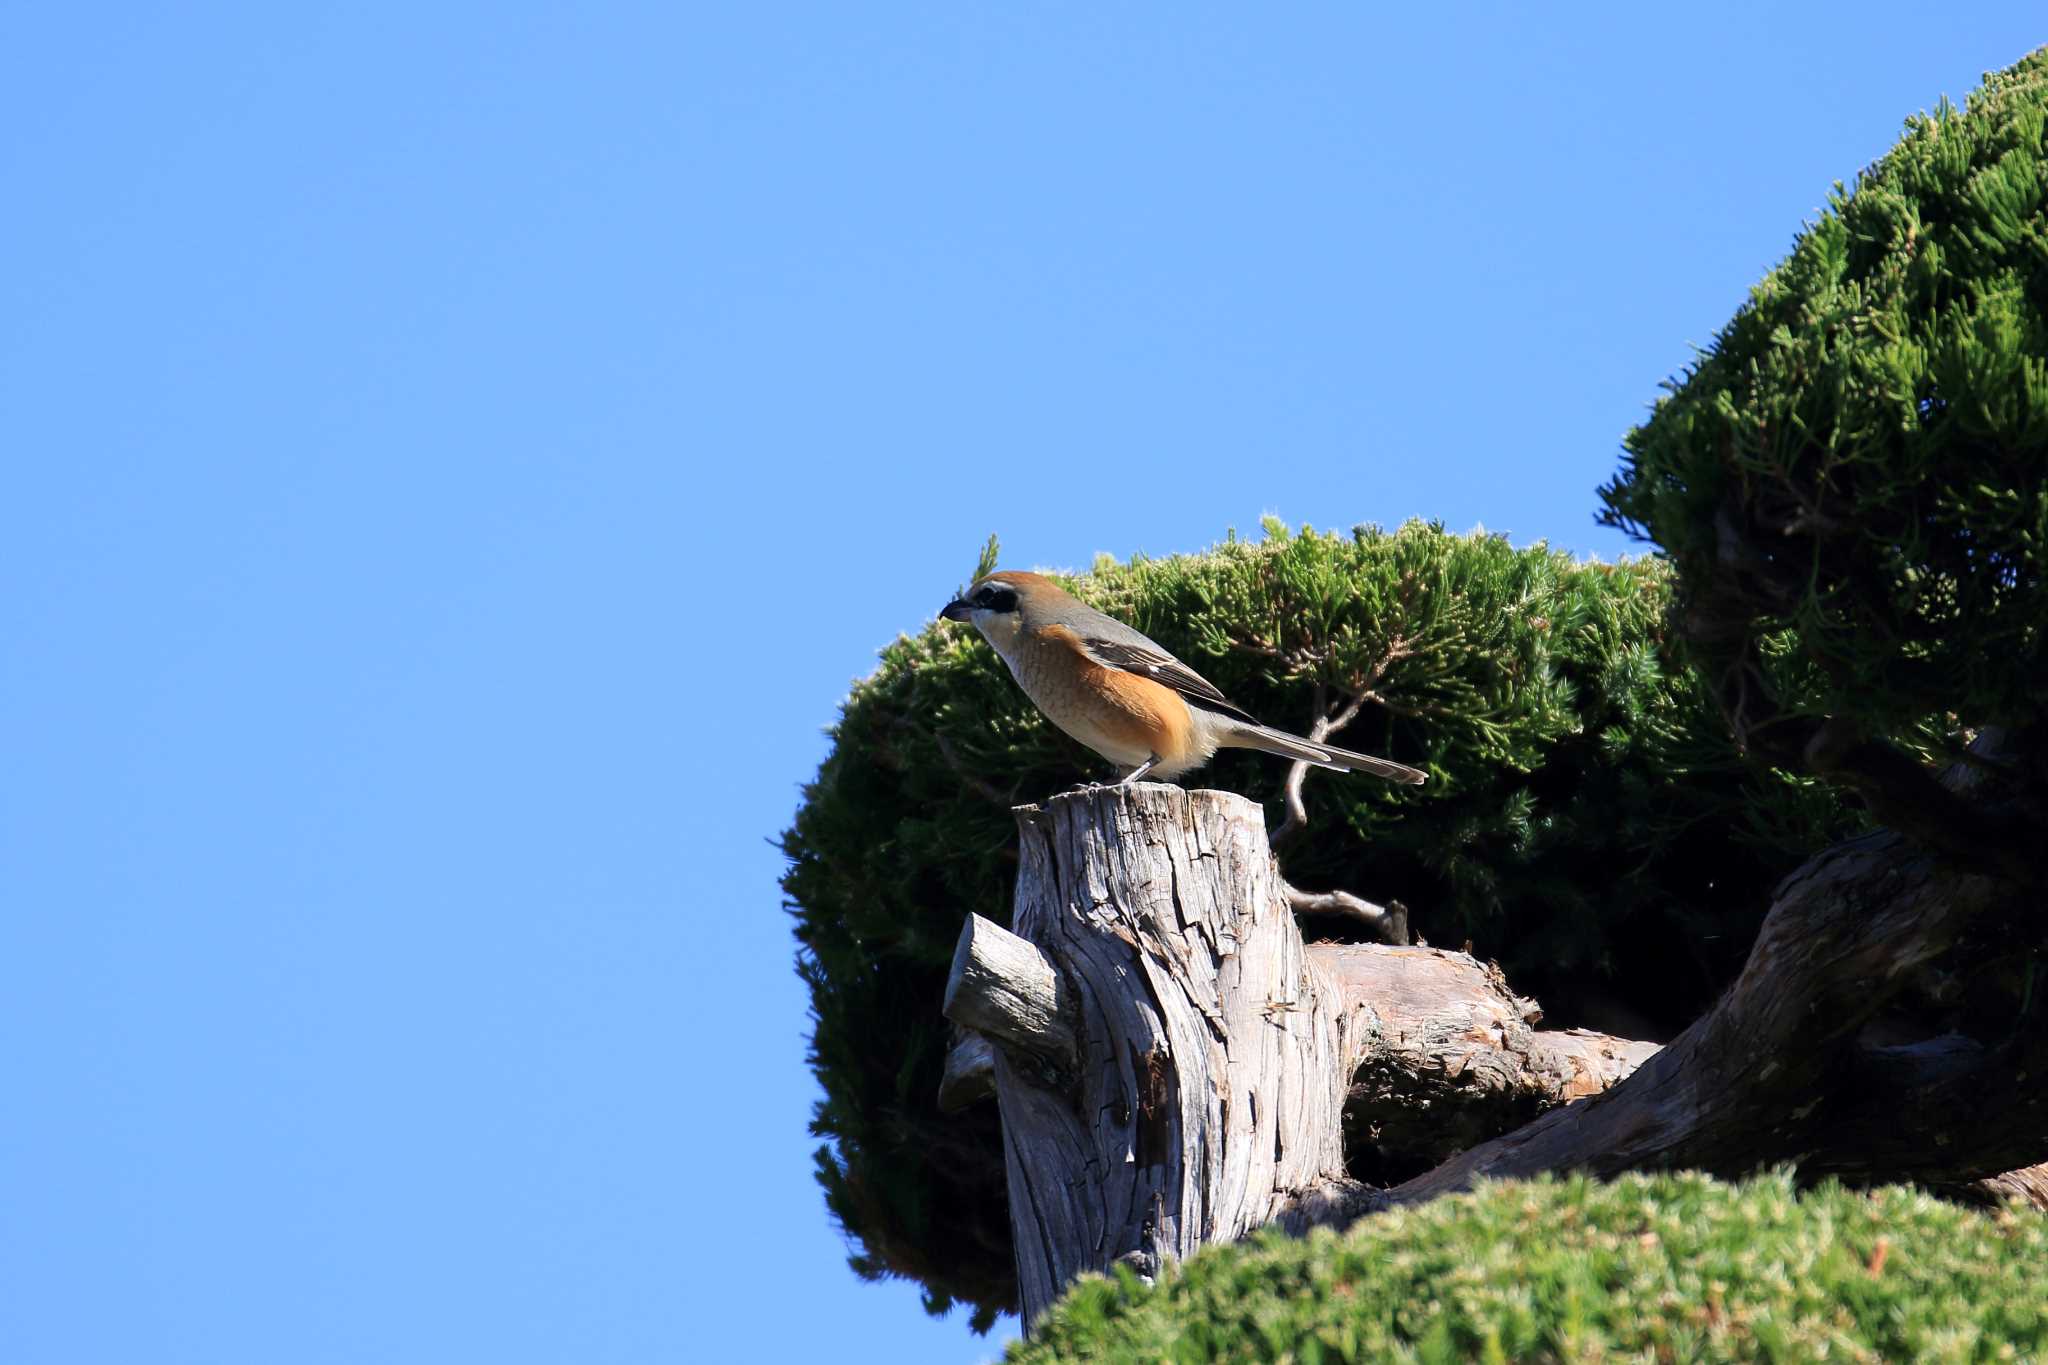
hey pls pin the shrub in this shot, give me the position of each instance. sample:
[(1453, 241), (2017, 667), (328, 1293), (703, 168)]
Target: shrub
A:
[(1670, 1267), (1854, 477)]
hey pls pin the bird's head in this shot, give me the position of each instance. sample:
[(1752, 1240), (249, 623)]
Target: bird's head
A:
[(1002, 604)]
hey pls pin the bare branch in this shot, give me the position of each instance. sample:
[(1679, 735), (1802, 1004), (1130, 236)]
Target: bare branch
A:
[(1321, 728), (1389, 921)]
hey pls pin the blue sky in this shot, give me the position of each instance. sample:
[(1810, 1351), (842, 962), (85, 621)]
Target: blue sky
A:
[(457, 456)]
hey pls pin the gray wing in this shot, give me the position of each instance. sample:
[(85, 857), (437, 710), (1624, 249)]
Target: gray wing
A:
[(1111, 642)]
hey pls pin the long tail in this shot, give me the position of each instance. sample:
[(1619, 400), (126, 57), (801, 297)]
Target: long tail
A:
[(1322, 755)]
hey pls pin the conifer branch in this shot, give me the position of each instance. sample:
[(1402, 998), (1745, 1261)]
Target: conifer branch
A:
[(966, 774)]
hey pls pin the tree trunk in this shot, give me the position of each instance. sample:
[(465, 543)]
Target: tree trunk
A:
[(1176, 1067), (1887, 1026), (1210, 1083)]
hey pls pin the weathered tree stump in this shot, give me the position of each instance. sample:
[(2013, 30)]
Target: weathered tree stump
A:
[(1209, 1083), (1176, 1067)]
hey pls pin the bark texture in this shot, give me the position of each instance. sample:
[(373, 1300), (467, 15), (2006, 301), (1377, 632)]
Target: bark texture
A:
[(1214, 1085), (1210, 1085), (1445, 1055), (1887, 1026), (1176, 1067), (1004, 987), (970, 1074), (2028, 1185)]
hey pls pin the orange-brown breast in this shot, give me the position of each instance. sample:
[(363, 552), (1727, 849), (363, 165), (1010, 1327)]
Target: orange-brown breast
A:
[(1134, 712)]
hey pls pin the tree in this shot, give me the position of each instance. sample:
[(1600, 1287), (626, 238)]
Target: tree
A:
[(1577, 826), (1849, 489)]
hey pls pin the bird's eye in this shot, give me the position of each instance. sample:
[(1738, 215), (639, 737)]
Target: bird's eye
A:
[(996, 598)]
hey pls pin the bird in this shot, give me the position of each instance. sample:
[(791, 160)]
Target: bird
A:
[(1120, 693)]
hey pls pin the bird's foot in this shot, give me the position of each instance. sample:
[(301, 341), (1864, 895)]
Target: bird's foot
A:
[(1134, 774)]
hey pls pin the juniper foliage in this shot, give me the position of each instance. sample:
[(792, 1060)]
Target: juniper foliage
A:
[(1854, 477), (1851, 488), (1667, 1267), (1587, 822)]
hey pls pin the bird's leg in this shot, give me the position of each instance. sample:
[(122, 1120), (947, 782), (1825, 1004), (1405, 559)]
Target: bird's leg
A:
[(1134, 774)]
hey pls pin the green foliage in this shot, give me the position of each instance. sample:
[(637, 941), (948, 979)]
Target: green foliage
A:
[(1586, 822), (1855, 475), (1672, 1267), (1852, 489)]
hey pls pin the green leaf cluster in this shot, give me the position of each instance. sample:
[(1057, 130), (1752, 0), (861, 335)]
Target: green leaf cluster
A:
[(1586, 823), (1667, 1267), (1855, 475)]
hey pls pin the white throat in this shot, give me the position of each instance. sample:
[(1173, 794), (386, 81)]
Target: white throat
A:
[(1001, 629)]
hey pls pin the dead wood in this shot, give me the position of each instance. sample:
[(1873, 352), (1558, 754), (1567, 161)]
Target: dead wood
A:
[(1175, 1067)]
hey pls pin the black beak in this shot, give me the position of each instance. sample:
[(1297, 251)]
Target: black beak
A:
[(956, 610)]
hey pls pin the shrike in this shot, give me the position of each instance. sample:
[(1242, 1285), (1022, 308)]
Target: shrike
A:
[(1119, 693)]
